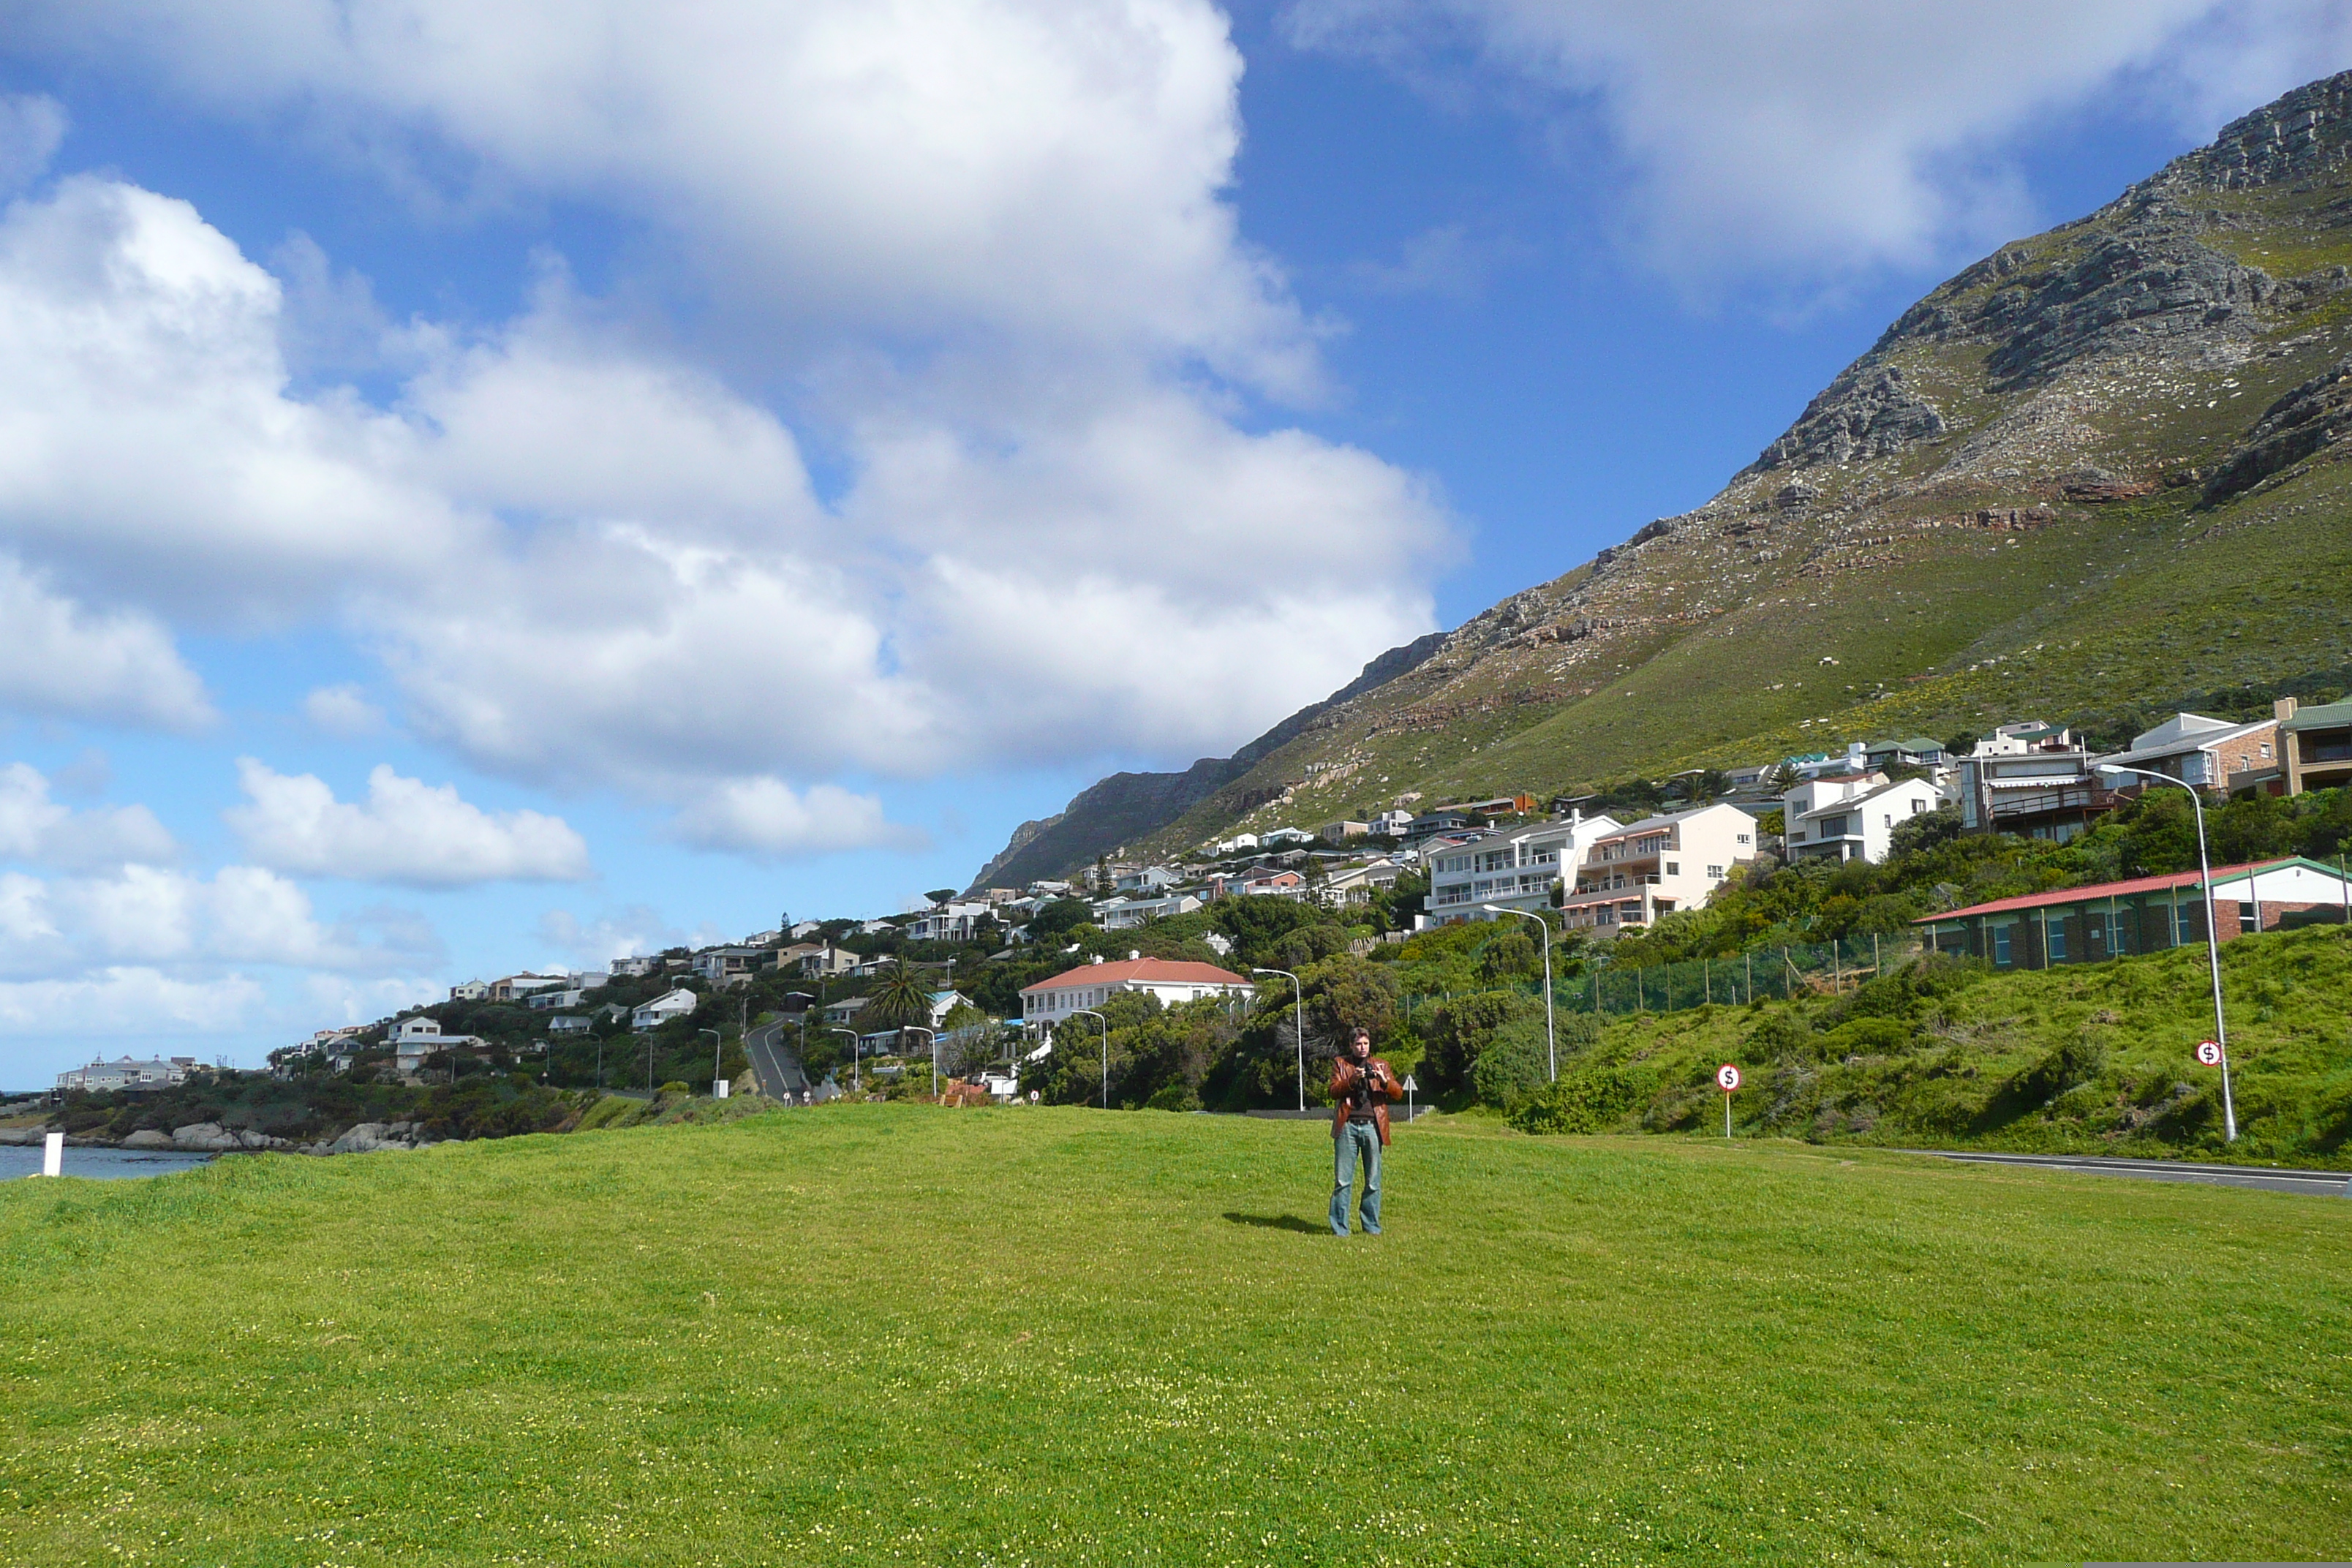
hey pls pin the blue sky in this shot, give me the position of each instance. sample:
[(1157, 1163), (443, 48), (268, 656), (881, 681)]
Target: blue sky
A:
[(498, 487)]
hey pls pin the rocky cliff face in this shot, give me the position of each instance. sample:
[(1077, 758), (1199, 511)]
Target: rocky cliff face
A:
[(2126, 426)]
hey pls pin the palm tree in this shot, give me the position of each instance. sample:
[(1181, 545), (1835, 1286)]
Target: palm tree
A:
[(902, 998)]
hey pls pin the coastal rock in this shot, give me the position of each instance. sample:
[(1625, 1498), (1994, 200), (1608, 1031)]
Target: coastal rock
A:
[(22, 1135), (370, 1136), (149, 1138), (205, 1138)]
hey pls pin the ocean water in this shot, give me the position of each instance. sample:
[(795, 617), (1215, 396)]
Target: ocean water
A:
[(101, 1164)]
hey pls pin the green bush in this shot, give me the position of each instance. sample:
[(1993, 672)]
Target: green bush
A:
[(1588, 1101)]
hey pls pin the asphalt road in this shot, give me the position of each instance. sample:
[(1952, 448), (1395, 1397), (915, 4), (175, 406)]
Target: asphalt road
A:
[(2316, 1183), (774, 1061)]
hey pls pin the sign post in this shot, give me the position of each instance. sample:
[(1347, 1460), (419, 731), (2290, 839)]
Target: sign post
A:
[(1409, 1087), (53, 1154), (1726, 1078)]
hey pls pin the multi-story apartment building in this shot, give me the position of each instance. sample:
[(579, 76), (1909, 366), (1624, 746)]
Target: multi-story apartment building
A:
[(1632, 875), (1516, 867), (2031, 779)]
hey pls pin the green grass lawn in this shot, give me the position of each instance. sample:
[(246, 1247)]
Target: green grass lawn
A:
[(903, 1335)]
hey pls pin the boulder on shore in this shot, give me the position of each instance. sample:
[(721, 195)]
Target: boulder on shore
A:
[(149, 1138)]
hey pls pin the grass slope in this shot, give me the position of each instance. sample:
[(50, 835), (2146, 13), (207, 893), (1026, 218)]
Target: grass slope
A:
[(2086, 1058), (897, 1334)]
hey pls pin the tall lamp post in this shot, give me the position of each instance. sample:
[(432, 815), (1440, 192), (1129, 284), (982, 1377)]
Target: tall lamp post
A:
[(1298, 995), (1551, 1042), (857, 1077), (2212, 939), (717, 1045), (1097, 1018), (934, 1035)]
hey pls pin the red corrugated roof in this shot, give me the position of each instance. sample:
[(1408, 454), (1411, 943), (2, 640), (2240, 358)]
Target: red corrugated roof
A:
[(2097, 891), (1176, 971)]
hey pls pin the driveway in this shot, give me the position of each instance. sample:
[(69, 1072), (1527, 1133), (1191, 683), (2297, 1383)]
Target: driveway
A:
[(774, 1060), (2317, 1183)]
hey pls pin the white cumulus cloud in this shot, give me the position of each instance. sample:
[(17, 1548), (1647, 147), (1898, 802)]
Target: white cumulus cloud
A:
[(342, 711), (767, 818), (35, 828), (129, 1002), (407, 831), (1821, 138), (58, 657)]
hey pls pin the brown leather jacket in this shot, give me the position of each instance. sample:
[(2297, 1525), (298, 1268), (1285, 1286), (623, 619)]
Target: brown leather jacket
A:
[(1343, 1084)]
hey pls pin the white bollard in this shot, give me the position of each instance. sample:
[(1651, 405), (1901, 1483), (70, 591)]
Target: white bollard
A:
[(721, 1087), (53, 1155)]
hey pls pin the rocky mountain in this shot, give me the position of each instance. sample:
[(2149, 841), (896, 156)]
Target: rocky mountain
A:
[(2092, 475)]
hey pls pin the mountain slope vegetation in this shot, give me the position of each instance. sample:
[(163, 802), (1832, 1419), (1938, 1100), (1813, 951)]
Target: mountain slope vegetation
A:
[(2092, 476)]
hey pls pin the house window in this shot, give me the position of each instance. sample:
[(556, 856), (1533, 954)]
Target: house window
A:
[(2000, 944), (1743, 838), (1715, 870), (2056, 942), (2266, 750), (1673, 868)]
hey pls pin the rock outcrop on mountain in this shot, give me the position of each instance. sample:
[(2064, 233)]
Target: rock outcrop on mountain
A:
[(1129, 807), (2090, 473)]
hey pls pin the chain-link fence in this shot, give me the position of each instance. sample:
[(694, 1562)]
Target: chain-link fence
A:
[(1801, 969)]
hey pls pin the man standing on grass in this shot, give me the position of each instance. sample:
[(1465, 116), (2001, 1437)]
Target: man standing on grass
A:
[(1362, 1088)]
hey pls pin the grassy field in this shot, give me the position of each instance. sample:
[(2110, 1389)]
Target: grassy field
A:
[(902, 1334)]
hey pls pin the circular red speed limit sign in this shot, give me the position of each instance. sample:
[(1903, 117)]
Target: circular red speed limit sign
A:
[(2209, 1053), (1728, 1077)]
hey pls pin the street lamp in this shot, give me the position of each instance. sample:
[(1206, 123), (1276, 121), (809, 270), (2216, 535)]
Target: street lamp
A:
[(1298, 995), (718, 1044), (856, 1080), (2212, 939), (1097, 1018), (934, 1033), (1551, 1043)]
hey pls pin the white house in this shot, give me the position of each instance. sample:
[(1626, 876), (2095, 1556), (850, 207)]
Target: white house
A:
[(541, 1001), (471, 990), (414, 1038), (1356, 884), (1515, 868), (2198, 751), (1088, 985), (1277, 837), (1120, 913), (1146, 879), (570, 1023), (670, 1004), (1656, 865), (1388, 824), (633, 967), (1850, 817), (950, 922), (518, 986), (1236, 844)]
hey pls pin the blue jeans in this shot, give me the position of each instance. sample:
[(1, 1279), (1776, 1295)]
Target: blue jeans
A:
[(1358, 1141)]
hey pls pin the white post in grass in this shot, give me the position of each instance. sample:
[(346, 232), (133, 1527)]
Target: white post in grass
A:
[(1551, 1041), (2212, 939), (1298, 995), (53, 1154)]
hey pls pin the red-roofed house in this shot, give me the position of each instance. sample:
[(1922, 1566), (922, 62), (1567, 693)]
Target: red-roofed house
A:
[(1171, 980), (2112, 920)]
